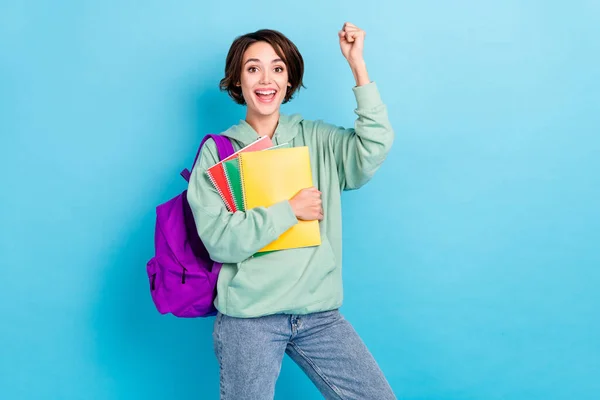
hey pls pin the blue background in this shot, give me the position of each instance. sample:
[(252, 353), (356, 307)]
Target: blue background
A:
[(471, 259)]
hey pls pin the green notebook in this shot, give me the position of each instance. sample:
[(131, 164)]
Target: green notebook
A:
[(234, 179)]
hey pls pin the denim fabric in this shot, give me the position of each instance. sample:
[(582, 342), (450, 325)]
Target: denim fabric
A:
[(327, 348)]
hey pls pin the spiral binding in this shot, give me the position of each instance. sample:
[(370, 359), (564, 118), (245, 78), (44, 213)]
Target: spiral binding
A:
[(219, 190), (229, 184), (243, 185)]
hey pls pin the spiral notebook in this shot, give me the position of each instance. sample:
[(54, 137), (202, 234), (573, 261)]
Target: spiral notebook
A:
[(234, 181), (234, 177), (269, 177), (218, 177)]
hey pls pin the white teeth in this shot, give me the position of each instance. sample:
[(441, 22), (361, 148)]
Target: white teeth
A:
[(265, 92)]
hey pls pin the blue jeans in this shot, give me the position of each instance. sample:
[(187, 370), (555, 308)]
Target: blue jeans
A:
[(325, 346)]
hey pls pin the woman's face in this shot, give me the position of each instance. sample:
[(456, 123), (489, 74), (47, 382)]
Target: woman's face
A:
[(264, 79)]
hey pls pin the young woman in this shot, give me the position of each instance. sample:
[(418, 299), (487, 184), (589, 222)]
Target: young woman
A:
[(287, 301)]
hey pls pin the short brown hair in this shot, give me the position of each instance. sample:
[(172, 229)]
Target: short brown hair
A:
[(283, 47)]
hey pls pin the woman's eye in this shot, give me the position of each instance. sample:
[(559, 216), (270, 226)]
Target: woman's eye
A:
[(252, 69), (278, 69)]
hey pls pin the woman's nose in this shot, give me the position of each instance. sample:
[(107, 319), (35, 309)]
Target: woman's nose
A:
[(265, 77)]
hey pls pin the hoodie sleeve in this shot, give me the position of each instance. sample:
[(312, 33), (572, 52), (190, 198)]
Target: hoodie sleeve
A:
[(232, 237), (360, 151)]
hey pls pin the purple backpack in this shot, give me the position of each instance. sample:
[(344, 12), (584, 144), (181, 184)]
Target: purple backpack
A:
[(181, 274)]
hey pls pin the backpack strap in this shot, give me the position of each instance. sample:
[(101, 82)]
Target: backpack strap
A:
[(224, 148)]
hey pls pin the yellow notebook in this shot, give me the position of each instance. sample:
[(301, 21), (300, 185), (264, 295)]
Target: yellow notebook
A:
[(269, 177)]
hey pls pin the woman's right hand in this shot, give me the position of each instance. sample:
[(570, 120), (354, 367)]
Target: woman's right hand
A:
[(307, 204)]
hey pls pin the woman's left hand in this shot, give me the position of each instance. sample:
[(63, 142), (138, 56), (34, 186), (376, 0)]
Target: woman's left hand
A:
[(352, 40)]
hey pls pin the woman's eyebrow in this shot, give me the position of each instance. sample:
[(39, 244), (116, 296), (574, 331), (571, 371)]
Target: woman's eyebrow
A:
[(258, 61)]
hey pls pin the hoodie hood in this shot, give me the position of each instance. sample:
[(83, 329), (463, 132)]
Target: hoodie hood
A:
[(287, 129)]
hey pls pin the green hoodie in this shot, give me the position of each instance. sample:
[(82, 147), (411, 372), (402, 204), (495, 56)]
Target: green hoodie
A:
[(295, 281)]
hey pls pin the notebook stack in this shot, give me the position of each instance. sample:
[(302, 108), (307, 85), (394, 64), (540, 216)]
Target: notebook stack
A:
[(261, 175)]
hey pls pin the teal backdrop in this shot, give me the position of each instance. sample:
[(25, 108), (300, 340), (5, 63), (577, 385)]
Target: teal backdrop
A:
[(471, 260)]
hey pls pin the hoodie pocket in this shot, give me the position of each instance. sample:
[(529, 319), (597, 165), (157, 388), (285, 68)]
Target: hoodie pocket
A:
[(285, 278)]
